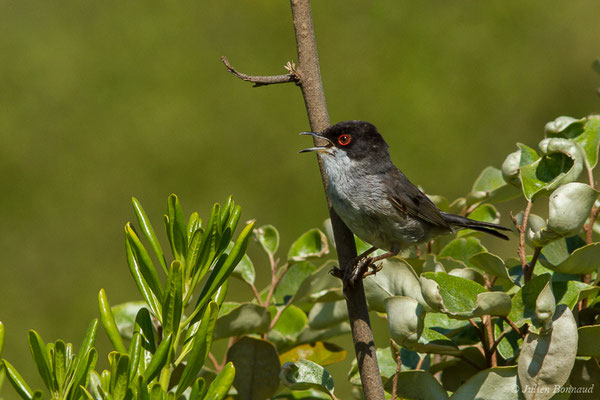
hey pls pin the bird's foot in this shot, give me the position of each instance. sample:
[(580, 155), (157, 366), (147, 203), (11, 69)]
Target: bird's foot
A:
[(337, 272), (359, 269)]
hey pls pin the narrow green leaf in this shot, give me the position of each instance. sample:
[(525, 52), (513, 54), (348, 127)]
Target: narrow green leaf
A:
[(221, 293), (143, 325), (226, 211), (194, 223), (220, 386), (40, 355), (86, 344), (136, 273), (177, 229), (197, 389), (158, 359), (135, 351), (221, 272), (200, 349), (173, 305), (60, 365), (144, 262), (125, 314), (108, 322), (148, 231), (19, 384), (1, 337), (119, 377), (83, 370)]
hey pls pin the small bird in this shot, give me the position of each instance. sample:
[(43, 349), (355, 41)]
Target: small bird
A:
[(376, 200)]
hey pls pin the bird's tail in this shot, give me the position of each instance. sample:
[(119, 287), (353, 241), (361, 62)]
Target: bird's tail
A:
[(487, 227)]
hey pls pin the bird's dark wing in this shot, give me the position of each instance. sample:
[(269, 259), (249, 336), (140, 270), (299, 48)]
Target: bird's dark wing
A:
[(408, 199)]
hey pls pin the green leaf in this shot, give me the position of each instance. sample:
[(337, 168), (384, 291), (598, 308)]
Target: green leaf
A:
[(125, 314), (219, 388), (119, 377), (304, 374), (386, 362), (143, 287), (145, 264), (19, 384), (245, 270), (268, 237), (60, 364), (148, 231), (493, 265), (319, 287), (247, 318), (197, 389), (462, 249), (144, 325), (582, 261), (322, 353), (200, 349), (489, 383), (1, 337), (406, 318), (173, 304), (418, 385), (311, 244), (588, 343), (584, 131), (561, 162), (455, 296), (489, 180), (224, 267), (565, 292), (397, 278), (546, 360), (290, 282), (135, 350), (86, 357), (288, 327), (585, 376), (176, 228), (260, 365), (325, 315), (40, 355), (545, 305), (511, 167), (159, 359), (108, 322), (309, 335)]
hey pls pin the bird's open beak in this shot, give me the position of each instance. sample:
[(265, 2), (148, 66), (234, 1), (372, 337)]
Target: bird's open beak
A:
[(318, 149)]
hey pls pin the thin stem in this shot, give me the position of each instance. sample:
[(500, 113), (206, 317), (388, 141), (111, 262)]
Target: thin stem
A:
[(499, 339), (214, 362), (395, 378), (513, 326), (492, 360), (522, 229), (278, 315), (479, 333), (256, 294), (265, 79)]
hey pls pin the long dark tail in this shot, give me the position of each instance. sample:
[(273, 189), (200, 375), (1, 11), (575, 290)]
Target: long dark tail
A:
[(487, 227)]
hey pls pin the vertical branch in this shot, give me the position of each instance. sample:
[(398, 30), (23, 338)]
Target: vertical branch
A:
[(314, 99), (307, 75)]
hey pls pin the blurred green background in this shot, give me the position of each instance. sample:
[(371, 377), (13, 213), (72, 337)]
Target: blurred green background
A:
[(101, 101)]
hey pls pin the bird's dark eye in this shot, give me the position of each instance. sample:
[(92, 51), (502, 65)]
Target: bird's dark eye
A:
[(344, 139)]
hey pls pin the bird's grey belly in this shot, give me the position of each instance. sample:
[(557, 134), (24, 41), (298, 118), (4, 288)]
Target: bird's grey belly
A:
[(369, 214)]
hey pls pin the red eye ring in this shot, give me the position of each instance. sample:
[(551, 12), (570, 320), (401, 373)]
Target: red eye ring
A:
[(344, 139)]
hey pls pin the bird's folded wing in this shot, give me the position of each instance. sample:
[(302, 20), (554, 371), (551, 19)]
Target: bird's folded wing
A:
[(408, 199)]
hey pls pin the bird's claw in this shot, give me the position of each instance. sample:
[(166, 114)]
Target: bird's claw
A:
[(356, 271)]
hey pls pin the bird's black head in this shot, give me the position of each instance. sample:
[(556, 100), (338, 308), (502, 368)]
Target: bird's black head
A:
[(358, 139)]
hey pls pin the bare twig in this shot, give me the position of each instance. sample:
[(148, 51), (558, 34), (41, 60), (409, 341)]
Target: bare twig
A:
[(308, 77), (522, 229), (264, 80), (214, 361), (499, 339), (256, 294), (513, 326), (395, 378)]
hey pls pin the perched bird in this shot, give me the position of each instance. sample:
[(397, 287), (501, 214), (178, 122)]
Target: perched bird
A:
[(374, 198)]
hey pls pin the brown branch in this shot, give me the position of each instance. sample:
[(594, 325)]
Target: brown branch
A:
[(513, 326), (522, 229), (316, 107), (492, 360), (395, 378), (307, 75), (499, 339), (264, 80)]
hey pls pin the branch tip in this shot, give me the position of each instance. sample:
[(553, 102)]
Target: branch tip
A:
[(264, 80)]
